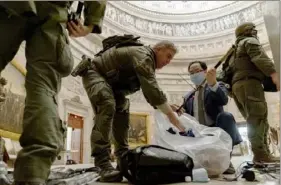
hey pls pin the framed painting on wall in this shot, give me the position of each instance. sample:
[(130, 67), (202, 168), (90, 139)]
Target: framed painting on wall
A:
[(139, 130), (12, 108)]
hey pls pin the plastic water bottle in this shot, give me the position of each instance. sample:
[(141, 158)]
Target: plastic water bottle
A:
[(200, 175), (188, 179)]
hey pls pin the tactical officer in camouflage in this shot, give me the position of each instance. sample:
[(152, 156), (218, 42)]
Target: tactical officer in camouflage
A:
[(115, 74), (251, 66), (43, 26)]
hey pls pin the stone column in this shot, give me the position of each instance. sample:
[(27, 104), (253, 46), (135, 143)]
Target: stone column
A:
[(272, 24)]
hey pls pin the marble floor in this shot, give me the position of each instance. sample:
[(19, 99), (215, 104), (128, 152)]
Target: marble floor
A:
[(212, 182), (237, 161)]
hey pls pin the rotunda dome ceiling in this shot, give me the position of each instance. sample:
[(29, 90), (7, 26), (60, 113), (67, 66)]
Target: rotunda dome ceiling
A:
[(199, 19), (179, 7), (198, 28)]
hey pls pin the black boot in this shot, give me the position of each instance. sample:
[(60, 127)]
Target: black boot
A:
[(108, 173)]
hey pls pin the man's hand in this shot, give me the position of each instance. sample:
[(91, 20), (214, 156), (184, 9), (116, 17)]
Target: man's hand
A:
[(78, 30), (211, 77), (175, 121), (275, 80), (175, 108)]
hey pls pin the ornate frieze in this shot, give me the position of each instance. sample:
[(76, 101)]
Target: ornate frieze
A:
[(179, 7), (189, 29)]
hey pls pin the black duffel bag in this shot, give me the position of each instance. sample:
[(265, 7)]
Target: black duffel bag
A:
[(151, 165)]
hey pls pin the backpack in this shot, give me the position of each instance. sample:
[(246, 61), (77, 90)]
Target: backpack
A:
[(152, 164), (226, 74), (113, 41), (119, 41)]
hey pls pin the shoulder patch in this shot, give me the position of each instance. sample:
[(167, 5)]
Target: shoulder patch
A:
[(252, 40)]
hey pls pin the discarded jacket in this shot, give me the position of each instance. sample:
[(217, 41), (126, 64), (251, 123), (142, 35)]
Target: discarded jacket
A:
[(68, 176), (63, 176)]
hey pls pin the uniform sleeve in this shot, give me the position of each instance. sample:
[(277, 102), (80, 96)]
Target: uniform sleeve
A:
[(94, 14), (259, 57), (146, 75)]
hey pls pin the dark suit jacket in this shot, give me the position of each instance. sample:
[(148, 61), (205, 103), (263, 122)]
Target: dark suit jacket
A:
[(214, 101)]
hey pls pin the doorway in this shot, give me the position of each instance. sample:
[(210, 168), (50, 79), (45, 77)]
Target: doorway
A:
[(75, 137)]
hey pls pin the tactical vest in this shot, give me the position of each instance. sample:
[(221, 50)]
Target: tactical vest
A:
[(244, 68), (116, 66)]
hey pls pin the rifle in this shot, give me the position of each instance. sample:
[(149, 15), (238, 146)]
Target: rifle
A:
[(228, 53)]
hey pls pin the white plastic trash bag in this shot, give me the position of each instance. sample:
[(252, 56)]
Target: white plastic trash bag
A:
[(210, 148)]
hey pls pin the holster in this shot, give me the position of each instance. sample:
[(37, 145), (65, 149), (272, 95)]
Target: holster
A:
[(82, 67)]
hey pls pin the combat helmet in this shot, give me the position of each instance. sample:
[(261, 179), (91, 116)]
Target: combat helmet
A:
[(242, 28)]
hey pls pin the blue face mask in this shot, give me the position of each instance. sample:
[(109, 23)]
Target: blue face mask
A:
[(197, 78)]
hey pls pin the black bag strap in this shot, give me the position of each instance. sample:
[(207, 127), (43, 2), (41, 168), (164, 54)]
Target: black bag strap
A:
[(124, 167), (156, 146)]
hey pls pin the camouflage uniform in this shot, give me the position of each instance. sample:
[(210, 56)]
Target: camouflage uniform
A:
[(115, 74), (251, 66), (43, 26)]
